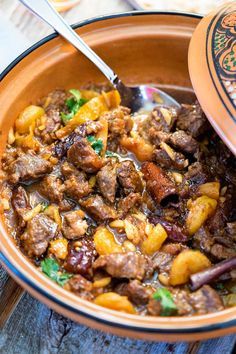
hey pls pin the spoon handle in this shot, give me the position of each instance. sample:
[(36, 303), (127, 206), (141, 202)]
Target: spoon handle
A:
[(45, 10)]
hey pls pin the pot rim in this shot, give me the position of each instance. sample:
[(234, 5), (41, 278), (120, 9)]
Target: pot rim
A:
[(87, 22), (97, 317)]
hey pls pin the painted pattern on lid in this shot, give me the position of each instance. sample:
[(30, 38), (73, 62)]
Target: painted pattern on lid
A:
[(212, 66), (224, 53)]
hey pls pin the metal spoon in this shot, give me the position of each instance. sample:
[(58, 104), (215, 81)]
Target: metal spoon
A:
[(136, 98)]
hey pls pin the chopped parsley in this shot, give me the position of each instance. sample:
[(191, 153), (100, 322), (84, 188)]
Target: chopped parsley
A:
[(51, 268), (168, 306), (73, 104), (76, 94), (96, 144)]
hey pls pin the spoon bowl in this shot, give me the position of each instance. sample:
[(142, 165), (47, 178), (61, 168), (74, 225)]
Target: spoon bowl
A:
[(144, 97)]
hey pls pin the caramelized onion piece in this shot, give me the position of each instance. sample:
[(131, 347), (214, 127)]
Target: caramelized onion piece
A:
[(159, 185), (207, 276)]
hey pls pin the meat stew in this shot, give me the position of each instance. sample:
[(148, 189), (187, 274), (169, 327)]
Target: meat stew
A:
[(135, 213)]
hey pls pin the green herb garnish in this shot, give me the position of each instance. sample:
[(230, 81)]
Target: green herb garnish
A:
[(168, 306), (66, 117), (96, 144), (51, 268), (76, 94), (73, 104)]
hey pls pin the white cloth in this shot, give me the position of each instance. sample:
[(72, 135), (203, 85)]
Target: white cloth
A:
[(198, 6), (12, 42), (19, 29)]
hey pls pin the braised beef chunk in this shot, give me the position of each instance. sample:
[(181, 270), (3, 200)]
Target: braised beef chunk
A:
[(67, 169), (135, 291), (21, 205), (10, 156), (154, 307), (221, 252), (119, 121), (218, 248), (203, 240), (217, 222), (82, 155), (157, 187), (39, 231), (80, 286), (62, 146), (98, 209), (220, 161), (129, 265), (163, 118), (179, 140), (56, 99), (107, 181), (89, 128), (52, 188), (192, 120), (130, 201), (203, 301), (220, 244), (162, 262), (28, 167), (173, 160), (80, 258), (173, 248), (129, 178), (183, 142), (231, 229), (53, 104), (53, 123), (20, 201), (206, 300), (158, 136), (196, 175), (76, 185), (74, 225)]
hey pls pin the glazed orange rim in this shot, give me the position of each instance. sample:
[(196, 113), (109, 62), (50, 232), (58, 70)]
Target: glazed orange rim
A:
[(112, 321)]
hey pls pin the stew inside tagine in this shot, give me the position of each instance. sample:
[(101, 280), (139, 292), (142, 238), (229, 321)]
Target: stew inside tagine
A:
[(135, 213)]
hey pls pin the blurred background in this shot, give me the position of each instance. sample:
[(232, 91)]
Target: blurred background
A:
[(19, 29)]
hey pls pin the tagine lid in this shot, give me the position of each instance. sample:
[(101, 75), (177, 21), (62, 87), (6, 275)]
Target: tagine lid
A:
[(212, 68)]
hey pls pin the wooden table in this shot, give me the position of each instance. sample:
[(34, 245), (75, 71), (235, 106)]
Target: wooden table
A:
[(29, 326)]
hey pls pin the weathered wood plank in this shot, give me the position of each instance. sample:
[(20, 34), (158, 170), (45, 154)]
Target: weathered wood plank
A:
[(33, 328), (9, 298), (3, 278), (218, 345)]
